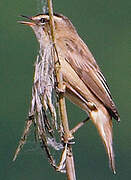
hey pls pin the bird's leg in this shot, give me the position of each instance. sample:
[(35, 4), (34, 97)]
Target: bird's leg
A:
[(62, 89), (79, 125), (62, 163), (72, 131)]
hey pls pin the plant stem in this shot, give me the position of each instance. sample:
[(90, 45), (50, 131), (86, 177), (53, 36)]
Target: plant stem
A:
[(62, 106)]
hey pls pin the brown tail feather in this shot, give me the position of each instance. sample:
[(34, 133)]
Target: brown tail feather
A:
[(103, 122)]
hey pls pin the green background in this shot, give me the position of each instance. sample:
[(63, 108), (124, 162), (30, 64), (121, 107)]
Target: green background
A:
[(106, 27)]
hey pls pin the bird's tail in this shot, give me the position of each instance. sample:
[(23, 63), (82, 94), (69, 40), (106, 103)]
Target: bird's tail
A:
[(103, 122)]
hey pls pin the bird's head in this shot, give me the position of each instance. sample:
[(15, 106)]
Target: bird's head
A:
[(40, 24)]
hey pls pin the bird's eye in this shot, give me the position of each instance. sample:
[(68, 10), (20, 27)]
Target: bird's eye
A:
[(42, 20)]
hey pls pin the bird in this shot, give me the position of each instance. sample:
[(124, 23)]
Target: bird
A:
[(85, 84)]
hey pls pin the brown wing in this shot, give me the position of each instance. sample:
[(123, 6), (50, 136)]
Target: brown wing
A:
[(80, 58)]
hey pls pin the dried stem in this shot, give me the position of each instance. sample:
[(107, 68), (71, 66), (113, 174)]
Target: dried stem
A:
[(24, 137), (62, 106)]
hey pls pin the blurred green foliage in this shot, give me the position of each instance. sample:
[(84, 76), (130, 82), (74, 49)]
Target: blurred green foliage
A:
[(105, 26)]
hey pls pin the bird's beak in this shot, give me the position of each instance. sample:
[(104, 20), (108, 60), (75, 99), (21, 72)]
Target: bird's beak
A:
[(27, 22)]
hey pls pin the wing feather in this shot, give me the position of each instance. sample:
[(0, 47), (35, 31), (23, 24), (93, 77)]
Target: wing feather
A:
[(82, 61)]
